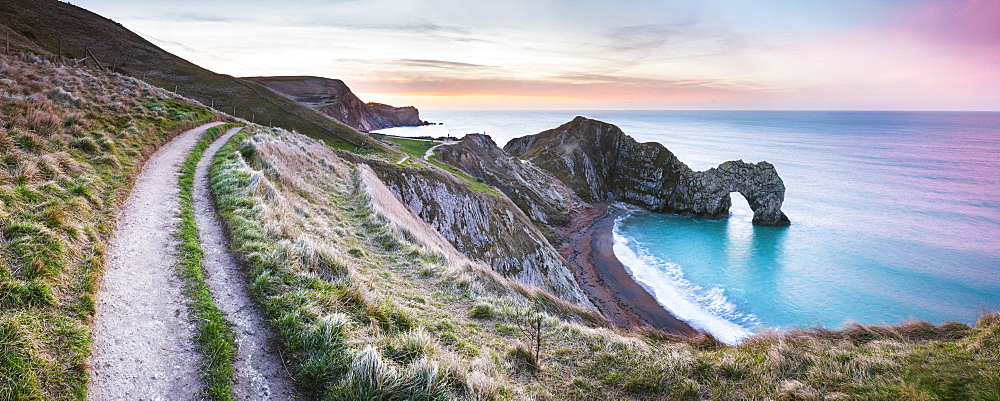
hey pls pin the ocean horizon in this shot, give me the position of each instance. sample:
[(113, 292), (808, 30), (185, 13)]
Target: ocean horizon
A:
[(895, 215)]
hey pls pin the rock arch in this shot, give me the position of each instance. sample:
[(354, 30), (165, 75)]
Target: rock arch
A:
[(602, 164), (759, 183)]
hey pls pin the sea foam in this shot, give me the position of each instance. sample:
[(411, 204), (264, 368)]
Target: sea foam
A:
[(703, 308)]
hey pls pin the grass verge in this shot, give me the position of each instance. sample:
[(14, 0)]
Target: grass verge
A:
[(215, 338), (71, 143)]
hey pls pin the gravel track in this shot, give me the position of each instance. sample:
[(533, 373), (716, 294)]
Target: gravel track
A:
[(260, 371), (142, 338)]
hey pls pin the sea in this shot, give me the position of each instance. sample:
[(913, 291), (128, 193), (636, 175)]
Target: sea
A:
[(895, 215)]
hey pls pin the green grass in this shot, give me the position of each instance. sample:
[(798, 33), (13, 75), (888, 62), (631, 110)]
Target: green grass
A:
[(418, 148), (310, 291), (214, 338), (65, 168), (413, 147), (474, 184)]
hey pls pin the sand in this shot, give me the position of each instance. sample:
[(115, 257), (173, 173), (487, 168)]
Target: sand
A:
[(590, 250)]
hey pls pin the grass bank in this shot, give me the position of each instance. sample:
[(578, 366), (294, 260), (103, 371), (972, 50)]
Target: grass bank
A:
[(369, 313), (214, 338), (71, 142)]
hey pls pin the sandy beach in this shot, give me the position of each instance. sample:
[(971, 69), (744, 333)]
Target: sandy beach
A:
[(590, 250)]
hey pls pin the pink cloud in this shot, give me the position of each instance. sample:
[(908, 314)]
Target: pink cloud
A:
[(972, 23)]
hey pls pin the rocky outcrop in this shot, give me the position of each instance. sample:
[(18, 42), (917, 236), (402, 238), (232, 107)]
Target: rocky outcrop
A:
[(602, 164), (535, 191), (333, 98), (484, 227)]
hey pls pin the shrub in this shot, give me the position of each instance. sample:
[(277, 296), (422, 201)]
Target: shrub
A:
[(522, 358), (482, 311), (85, 144)]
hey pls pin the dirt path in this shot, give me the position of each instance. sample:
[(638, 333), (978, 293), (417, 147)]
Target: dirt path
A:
[(260, 374), (142, 336), (430, 152)]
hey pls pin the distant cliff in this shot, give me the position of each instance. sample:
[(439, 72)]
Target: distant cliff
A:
[(333, 98), (602, 164)]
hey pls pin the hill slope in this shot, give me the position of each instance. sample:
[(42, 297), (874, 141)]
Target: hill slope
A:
[(46, 26), (333, 98)]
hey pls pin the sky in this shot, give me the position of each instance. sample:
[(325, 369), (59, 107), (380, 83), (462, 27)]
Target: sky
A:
[(589, 54)]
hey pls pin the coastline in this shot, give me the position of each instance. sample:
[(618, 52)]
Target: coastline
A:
[(589, 248)]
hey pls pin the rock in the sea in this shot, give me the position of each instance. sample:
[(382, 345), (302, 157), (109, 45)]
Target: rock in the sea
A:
[(333, 98), (602, 164)]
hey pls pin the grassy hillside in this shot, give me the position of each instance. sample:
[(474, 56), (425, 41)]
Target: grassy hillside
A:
[(369, 313), (71, 141), (45, 26)]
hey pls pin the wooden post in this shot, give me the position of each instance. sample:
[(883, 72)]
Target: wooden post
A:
[(60, 52), (234, 111), (213, 103), (8, 42), (253, 118), (92, 56), (175, 88)]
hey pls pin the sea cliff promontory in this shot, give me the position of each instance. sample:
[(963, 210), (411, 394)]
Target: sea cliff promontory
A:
[(602, 164), (333, 98)]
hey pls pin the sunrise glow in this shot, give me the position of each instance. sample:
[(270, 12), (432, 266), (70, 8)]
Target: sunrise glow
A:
[(923, 55)]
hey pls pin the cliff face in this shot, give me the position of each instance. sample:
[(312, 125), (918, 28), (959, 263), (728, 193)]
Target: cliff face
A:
[(333, 98), (535, 191), (602, 164), (484, 227)]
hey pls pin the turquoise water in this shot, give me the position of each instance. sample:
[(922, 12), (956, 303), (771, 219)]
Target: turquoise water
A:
[(895, 215)]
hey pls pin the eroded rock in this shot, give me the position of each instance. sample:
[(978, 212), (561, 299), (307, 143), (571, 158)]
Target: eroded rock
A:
[(535, 191), (602, 164)]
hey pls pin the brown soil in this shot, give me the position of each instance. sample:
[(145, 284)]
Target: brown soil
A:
[(142, 338), (624, 302), (260, 370)]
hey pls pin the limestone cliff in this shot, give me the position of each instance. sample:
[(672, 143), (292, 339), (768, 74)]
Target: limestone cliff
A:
[(484, 227), (602, 164), (333, 98), (535, 191)]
